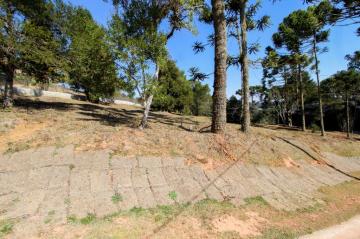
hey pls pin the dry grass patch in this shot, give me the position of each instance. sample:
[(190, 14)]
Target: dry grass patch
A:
[(53, 122), (213, 219)]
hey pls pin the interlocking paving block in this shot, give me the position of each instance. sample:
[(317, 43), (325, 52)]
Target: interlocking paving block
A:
[(83, 160), (321, 175), (177, 162), (139, 178), (54, 206), (347, 164), (39, 178), (171, 175), (27, 205), (121, 177), (162, 195), (149, 162), (19, 160), (59, 177), (79, 181), (244, 186), (42, 156), (104, 203), (214, 177), (81, 204), (100, 160), (100, 181), (117, 162), (156, 177), (8, 203), (309, 180), (64, 155), (336, 176), (249, 171), (198, 174), (187, 189), (128, 196), (213, 193), (210, 190), (279, 201), (311, 172), (145, 197)]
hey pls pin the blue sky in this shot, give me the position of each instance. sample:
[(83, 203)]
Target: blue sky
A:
[(343, 40)]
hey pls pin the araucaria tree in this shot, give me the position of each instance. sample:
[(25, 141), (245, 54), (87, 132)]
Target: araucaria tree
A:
[(219, 96), (344, 85), (242, 19), (138, 32), (293, 33)]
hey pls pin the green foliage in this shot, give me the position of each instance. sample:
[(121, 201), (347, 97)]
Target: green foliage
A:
[(6, 227), (72, 219), (258, 200), (173, 93), (233, 110), (116, 198), (88, 219), (92, 65), (172, 195), (354, 61), (275, 233), (342, 83), (202, 101)]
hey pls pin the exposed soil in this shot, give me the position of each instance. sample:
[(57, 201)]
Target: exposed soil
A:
[(54, 122)]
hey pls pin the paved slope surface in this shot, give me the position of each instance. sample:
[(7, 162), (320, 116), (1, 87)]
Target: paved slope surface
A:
[(59, 182)]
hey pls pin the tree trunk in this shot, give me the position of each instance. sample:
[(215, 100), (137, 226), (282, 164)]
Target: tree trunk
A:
[(147, 106), (9, 88), (318, 86), (219, 95), (148, 101), (347, 116), (302, 98), (244, 68)]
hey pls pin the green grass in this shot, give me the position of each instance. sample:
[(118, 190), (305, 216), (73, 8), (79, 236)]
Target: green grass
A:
[(137, 211), (16, 147), (116, 198), (275, 233), (88, 219), (172, 195), (6, 227), (258, 200), (72, 219)]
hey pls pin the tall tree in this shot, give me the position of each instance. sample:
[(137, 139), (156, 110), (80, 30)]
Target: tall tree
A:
[(293, 33), (344, 85), (174, 91), (219, 96), (144, 17), (28, 41), (92, 65), (347, 12), (354, 61), (242, 17)]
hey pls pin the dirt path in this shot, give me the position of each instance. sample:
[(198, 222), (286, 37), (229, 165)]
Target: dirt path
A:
[(49, 185), (347, 230)]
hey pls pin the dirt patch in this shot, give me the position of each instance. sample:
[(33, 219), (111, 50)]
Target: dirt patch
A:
[(245, 228), (22, 130), (90, 126)]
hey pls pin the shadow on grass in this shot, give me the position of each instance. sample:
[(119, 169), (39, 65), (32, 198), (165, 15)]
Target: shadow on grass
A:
[(106, 115)]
